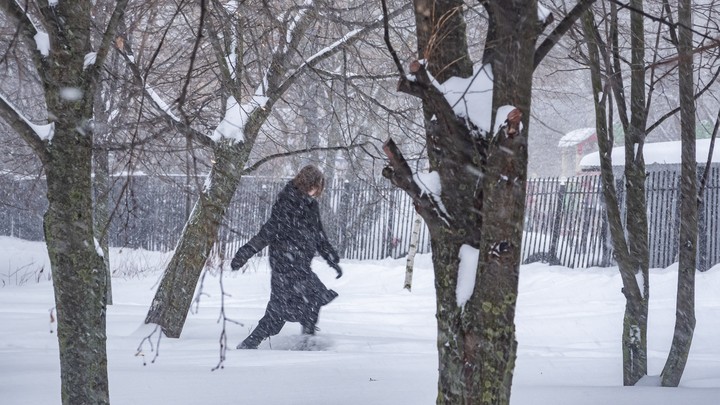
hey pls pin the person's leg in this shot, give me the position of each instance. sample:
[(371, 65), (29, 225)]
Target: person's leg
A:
[(269, 325), (310, 319)]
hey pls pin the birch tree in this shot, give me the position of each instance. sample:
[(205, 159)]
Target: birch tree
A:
[(68, 54)]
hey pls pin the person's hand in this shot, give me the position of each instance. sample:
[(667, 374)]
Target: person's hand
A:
[(337, 269), (241, 257), (236, 263)]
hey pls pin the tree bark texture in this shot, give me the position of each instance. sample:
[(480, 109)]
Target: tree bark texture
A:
[(78, 270), (412, 250), (483, 177), (688, 237), (630, 241), (174, 296), (79, 273), (101, 209)]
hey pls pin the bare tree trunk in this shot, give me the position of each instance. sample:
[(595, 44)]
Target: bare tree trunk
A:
[(102, 190), (483, 179), (630, 242), (685, 307), (79, 273), (174, 296), (66, 150)]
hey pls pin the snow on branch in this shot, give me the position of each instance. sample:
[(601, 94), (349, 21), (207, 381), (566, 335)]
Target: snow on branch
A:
[(42, 42), (471, 97), (346, 40), (430, 185), (236, 117), (424, 188), (44, 131), (159, 102)]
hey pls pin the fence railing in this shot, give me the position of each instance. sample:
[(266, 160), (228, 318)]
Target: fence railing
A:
[(565, 220)]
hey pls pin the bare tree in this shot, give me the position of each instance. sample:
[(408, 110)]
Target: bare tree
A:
[(689, 199), (68, 55), (629, 242), (257, 64), (482, 172), (609, 67)]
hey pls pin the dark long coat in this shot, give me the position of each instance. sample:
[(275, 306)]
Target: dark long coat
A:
[(295, 234)]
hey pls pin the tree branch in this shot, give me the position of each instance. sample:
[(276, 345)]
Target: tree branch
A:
[(336, 47), (563, 27), (400, 174), (181, 127), (193, 57), (386, 36), (267, 159), (108, 38), (23, 128)]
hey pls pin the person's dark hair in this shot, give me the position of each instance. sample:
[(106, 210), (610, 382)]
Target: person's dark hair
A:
[(309, 177)]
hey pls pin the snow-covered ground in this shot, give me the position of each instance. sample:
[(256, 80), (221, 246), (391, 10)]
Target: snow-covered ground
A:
[(377, 340)]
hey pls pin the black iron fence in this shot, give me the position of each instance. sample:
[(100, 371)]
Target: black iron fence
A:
[(565, 220)]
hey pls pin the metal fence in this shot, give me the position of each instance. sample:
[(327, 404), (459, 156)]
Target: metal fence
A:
[(565, 220)]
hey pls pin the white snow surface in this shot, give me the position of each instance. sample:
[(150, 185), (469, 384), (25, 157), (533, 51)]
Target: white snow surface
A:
[(657, 153), (377, 340), (471, 97), (467, 271), (236, 117), (576, 136), (43, 131), (429, 182), (90, 59), (42, 41)]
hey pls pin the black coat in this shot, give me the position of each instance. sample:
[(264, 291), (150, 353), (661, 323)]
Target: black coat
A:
[(294, 234)]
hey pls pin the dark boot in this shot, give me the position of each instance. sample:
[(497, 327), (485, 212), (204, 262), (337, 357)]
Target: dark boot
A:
[(252, 341), (244, 346)]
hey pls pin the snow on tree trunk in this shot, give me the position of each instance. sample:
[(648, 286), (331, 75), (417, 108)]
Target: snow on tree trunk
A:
[(482, 172)]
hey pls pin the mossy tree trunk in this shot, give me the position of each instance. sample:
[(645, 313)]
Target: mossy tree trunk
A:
[(174, 296), (78, 270), (483, 178)]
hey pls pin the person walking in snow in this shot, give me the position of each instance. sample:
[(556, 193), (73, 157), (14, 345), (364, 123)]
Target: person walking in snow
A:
[(295, 234)]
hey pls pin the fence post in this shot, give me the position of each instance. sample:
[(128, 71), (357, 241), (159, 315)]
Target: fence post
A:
[(553, 256), (343, 211), (389, 234), (702, 259)]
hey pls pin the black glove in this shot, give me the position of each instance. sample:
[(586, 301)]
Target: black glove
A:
[(337, 269), (241, 257)]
